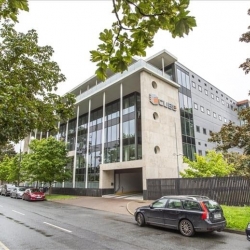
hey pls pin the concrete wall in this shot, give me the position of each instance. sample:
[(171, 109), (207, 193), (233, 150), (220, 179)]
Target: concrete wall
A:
[(161, 131)]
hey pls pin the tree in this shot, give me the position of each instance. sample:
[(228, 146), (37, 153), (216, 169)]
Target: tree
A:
[(7, 149), (246, 38), (5, 168), (47, 161), (211, 165), (240, 162), (10, 8), (137, 23), (28, 80)]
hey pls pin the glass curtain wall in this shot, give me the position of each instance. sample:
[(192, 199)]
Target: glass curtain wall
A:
[(187, 123), (112, 133), (132, 148), (131, 128), (81, 151), (95, 147), (71, 135)]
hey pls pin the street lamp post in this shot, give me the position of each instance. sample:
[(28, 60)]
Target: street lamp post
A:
[(178, 167)]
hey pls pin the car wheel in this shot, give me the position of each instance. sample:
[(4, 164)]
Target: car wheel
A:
[(186, 228), (140, 220), (5, 194)]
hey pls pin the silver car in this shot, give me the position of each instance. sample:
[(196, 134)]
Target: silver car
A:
[(17, 192)]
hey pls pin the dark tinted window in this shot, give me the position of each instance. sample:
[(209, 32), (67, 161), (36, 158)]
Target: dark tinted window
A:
[(174, 203), (211, 205), (191, 205), (160, 203)]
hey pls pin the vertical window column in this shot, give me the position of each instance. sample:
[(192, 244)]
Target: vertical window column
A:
[(103, 125), (121, 127), (74, 164), (87, 154)]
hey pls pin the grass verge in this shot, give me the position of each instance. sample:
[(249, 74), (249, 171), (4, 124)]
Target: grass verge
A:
[(237, 217), (52, 197)]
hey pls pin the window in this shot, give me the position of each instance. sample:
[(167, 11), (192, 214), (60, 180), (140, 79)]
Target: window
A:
[(208, 111), (211, 88), (199, 143), (193, 84), (222, 101), (200, 88), (212, 95), (199, 80), (227, 104), (202, 109), (199, 152), (174, 204), (222, 95), (217, 99), (193, 76), (225, 119), (216, 92), (195, 105), (160, 203), (191, 205), (198, 129), (205, 84), (204, 131), (232, 107), (210, 132), (214, 115), (206, 92), (205, 145), (220, 117)]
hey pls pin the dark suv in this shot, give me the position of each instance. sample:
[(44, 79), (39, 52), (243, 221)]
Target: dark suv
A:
[(6, 189), (188, 214)]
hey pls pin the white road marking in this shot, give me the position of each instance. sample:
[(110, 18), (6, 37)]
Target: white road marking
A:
[(57, 227), (2, 246), (17, 212)]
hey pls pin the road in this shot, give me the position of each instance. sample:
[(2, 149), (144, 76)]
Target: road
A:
[(50, 225)]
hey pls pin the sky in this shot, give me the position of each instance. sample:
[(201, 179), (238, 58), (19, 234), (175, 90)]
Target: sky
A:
[(212, 50)]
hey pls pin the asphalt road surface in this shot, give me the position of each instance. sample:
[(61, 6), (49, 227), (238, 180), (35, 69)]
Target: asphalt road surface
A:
[(49, 225)]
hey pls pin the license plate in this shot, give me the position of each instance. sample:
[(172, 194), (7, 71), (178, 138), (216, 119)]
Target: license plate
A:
[(38, 197), (217, 215)]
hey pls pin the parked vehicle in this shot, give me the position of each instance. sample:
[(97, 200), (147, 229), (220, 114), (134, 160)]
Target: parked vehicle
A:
[(1, 186), (17, 192), (33, 194), (188, 214), (248, 231), (6, 189)]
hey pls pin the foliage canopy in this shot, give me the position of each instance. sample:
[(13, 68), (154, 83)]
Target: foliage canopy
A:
[(134, 31), (210, 165)]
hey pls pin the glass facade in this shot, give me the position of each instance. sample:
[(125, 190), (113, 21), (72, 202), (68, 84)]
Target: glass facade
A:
[(187, 123), (89, 143)]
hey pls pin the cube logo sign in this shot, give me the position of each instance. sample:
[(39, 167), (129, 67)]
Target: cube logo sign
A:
[(156, 101), (153, 99)]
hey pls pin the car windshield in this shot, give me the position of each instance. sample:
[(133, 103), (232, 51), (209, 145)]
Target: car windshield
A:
[(34, 190), (211, 205), (21, 189)]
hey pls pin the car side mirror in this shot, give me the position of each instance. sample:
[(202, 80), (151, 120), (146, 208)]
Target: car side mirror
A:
[(151, 206)]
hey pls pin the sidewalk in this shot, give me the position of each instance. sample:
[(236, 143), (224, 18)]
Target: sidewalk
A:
[(120, 206)]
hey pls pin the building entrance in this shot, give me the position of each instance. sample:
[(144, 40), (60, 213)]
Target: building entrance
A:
[(128, 181)]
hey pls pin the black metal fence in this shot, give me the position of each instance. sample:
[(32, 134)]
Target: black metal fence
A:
[(232, 191)]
